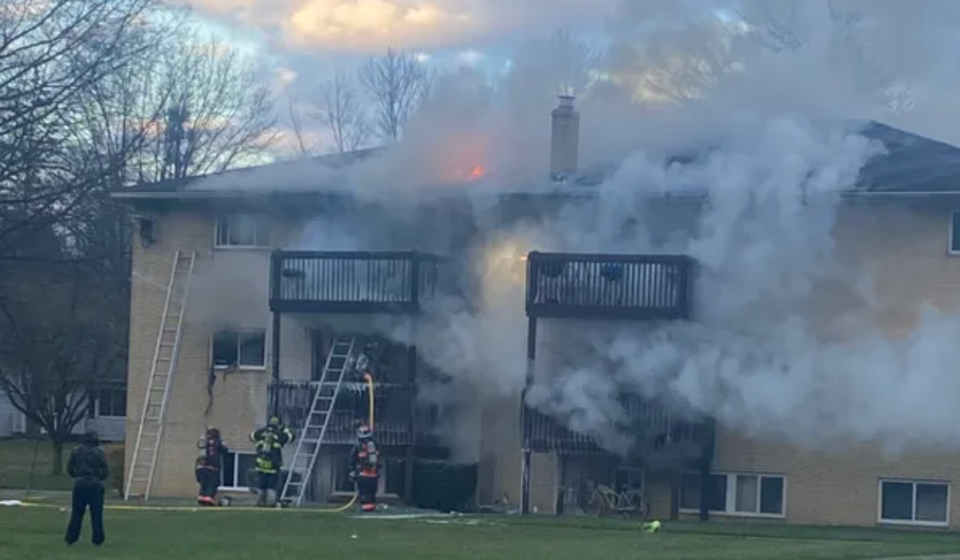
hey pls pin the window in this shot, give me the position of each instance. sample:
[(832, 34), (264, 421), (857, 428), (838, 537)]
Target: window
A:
[(111, 403), (391, 476), (914, 502), (236, 468), (954, 248), (243, 349), (736, 494), (241, 231)]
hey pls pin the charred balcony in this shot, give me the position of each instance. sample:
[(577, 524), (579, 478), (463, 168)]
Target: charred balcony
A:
[(659, 438), (398, 421), (614, 287), (395, 282)]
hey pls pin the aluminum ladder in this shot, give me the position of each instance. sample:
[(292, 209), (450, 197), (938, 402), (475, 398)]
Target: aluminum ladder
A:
[(149, 435), (339, 361)]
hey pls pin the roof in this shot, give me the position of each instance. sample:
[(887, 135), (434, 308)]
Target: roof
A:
[(912, 165)]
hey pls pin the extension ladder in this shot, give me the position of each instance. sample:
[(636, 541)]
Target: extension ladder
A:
[(147, 449), (339, 361)]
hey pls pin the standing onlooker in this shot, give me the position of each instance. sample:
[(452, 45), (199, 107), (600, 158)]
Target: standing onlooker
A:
[(89, 469)]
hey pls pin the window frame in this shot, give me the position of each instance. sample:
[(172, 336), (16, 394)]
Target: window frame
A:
[(98, 401), (237, 478), (261, 235), (730, 504), (913, 522), (951, 250), (238, 333)]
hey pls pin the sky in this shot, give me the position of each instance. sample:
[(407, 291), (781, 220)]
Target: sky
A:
[(313, 35), (305, 41)]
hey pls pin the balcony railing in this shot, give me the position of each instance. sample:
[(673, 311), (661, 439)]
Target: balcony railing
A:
[(352, 282), (596, 286), (655, 435), (393, 424)]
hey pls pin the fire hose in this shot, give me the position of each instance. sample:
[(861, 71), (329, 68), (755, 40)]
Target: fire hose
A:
[(368, 379)]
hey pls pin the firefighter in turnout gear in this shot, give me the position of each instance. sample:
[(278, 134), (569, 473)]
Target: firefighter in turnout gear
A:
[(365, 468), (269, 442), (208, 466)]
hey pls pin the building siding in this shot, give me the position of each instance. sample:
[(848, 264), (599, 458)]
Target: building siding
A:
[(904, 245)]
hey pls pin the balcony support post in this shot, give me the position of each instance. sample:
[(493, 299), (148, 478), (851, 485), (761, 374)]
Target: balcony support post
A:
[(275, 361), (410, 451), (525, 450)]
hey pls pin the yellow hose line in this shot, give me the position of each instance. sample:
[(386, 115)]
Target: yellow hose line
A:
[(369, 379)]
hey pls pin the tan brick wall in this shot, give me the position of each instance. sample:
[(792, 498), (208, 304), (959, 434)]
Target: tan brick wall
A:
[(229, 287), (906, 250), (500, 451)]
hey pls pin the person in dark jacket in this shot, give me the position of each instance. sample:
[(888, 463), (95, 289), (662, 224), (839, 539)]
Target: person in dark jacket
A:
[(208, 466), (89, 469), (269, 442)]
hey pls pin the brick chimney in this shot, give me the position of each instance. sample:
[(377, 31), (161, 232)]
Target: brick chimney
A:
[(564, 139)]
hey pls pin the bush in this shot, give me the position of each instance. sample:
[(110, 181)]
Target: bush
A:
[(443, 486), (115, 460)]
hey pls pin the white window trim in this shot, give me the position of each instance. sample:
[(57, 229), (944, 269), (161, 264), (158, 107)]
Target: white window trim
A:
[(381, 482), (731, 504), (241, 367), (236, 476), (96, 410), (950, 250), (913, 505), (217, 220)]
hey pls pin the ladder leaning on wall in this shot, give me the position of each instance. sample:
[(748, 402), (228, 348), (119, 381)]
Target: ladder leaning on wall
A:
[(150, 434), (318, 419)]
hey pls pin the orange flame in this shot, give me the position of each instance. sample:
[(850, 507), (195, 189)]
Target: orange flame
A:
[(477, 172)]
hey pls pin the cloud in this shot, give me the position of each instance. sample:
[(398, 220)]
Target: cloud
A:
[(373, 25)]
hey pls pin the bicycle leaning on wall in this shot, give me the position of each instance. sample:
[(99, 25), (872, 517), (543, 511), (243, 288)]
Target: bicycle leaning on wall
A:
[(599, 500)]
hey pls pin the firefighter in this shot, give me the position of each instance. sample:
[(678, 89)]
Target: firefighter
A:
[(208, 466), (269, 442), (365, 468), (89, 469)]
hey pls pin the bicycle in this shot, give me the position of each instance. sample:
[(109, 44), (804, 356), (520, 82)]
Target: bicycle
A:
[(602, 500)]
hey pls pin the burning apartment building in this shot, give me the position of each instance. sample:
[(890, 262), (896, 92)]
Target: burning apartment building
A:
[(631, 325)]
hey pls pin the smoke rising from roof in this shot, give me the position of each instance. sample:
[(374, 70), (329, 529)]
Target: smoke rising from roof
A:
[(790, 340)]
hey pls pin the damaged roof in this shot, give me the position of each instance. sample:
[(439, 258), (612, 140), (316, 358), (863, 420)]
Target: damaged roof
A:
[(912, 165)]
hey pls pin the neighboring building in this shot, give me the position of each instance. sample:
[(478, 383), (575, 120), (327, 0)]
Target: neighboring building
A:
[(12, 421), (257, 330), (107, 415)]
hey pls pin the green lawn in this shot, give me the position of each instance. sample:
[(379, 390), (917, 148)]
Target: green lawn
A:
[(17, 461), (214, 535)]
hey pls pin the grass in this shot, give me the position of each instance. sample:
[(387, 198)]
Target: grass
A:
[(17, 461), (219, 535)]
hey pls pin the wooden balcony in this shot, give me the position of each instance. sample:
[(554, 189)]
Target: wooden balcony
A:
[(613, 287), (660, 439), (352, 282), (393, 405)]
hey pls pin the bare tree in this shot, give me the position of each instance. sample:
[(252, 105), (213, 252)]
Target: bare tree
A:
[(304, 146), (397, 82), (57, 344), (342, 112), (217, 111), (50, 54)]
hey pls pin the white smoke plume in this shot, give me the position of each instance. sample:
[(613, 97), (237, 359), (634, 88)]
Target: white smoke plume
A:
[(762, 92)]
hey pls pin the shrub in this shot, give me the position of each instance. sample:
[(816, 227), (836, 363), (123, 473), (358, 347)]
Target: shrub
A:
[(115, 459)]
